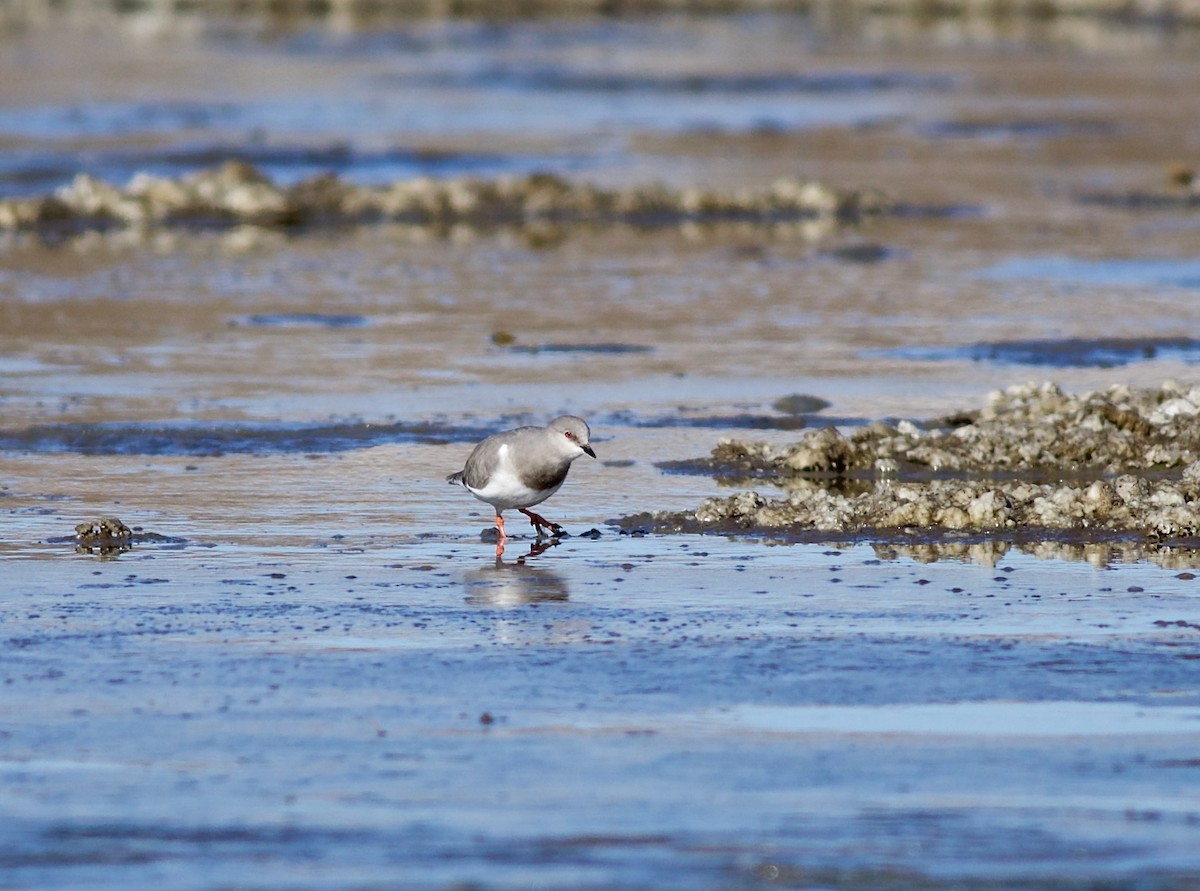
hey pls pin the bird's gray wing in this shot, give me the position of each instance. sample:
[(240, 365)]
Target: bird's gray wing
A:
[(482, 461)]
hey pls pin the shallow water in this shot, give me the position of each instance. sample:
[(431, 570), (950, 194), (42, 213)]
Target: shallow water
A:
[(309, 669), (1100, 352), (674, 712)]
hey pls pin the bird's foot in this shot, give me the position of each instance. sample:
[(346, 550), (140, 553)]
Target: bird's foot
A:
[(539, 523)]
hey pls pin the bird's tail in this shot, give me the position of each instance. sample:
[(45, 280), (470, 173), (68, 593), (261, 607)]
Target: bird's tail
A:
[(455, 479)]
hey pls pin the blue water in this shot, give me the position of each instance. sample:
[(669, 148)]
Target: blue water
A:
[(1136, 272), (25, 173), (1074, 352), (407, 88)]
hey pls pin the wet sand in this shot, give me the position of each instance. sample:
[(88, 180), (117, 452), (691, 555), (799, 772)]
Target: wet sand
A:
[(307, 668)]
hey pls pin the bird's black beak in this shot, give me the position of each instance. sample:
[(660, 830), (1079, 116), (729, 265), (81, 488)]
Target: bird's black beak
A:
[(588, 450)]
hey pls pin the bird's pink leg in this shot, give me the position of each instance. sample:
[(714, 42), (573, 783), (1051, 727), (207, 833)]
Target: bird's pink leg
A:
[(501, 537), (538, 521)]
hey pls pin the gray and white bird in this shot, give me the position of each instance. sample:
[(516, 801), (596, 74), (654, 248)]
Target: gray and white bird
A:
[(523, 467)]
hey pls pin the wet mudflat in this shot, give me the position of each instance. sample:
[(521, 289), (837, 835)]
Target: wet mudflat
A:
[(676, 712), (671, 712), (305, 666)]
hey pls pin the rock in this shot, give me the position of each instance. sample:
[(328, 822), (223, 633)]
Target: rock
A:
[(823, 450), (992, 509), (1024, 437), (238, 193), (103, 528)]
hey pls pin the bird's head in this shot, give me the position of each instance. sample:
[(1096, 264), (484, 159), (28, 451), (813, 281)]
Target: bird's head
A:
[(575, 435)]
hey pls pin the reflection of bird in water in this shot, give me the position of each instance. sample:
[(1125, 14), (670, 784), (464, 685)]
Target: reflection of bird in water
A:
[(515, 584), (523, 467)]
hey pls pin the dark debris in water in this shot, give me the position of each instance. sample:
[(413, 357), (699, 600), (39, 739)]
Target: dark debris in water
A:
[(1144, 201), (1073, 352), (1016, 129), (800, 404), (864, 253), (728, 422), (561, 79), (745, 421), (607, 349), (938, 211), (795, 412)]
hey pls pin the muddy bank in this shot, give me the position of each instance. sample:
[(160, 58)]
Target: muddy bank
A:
[(1033, 458), (237, 193)]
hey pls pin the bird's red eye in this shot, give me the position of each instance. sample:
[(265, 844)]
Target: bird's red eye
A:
[(568, 434)]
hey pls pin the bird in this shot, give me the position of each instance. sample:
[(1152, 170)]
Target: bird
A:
[(523, 467)]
